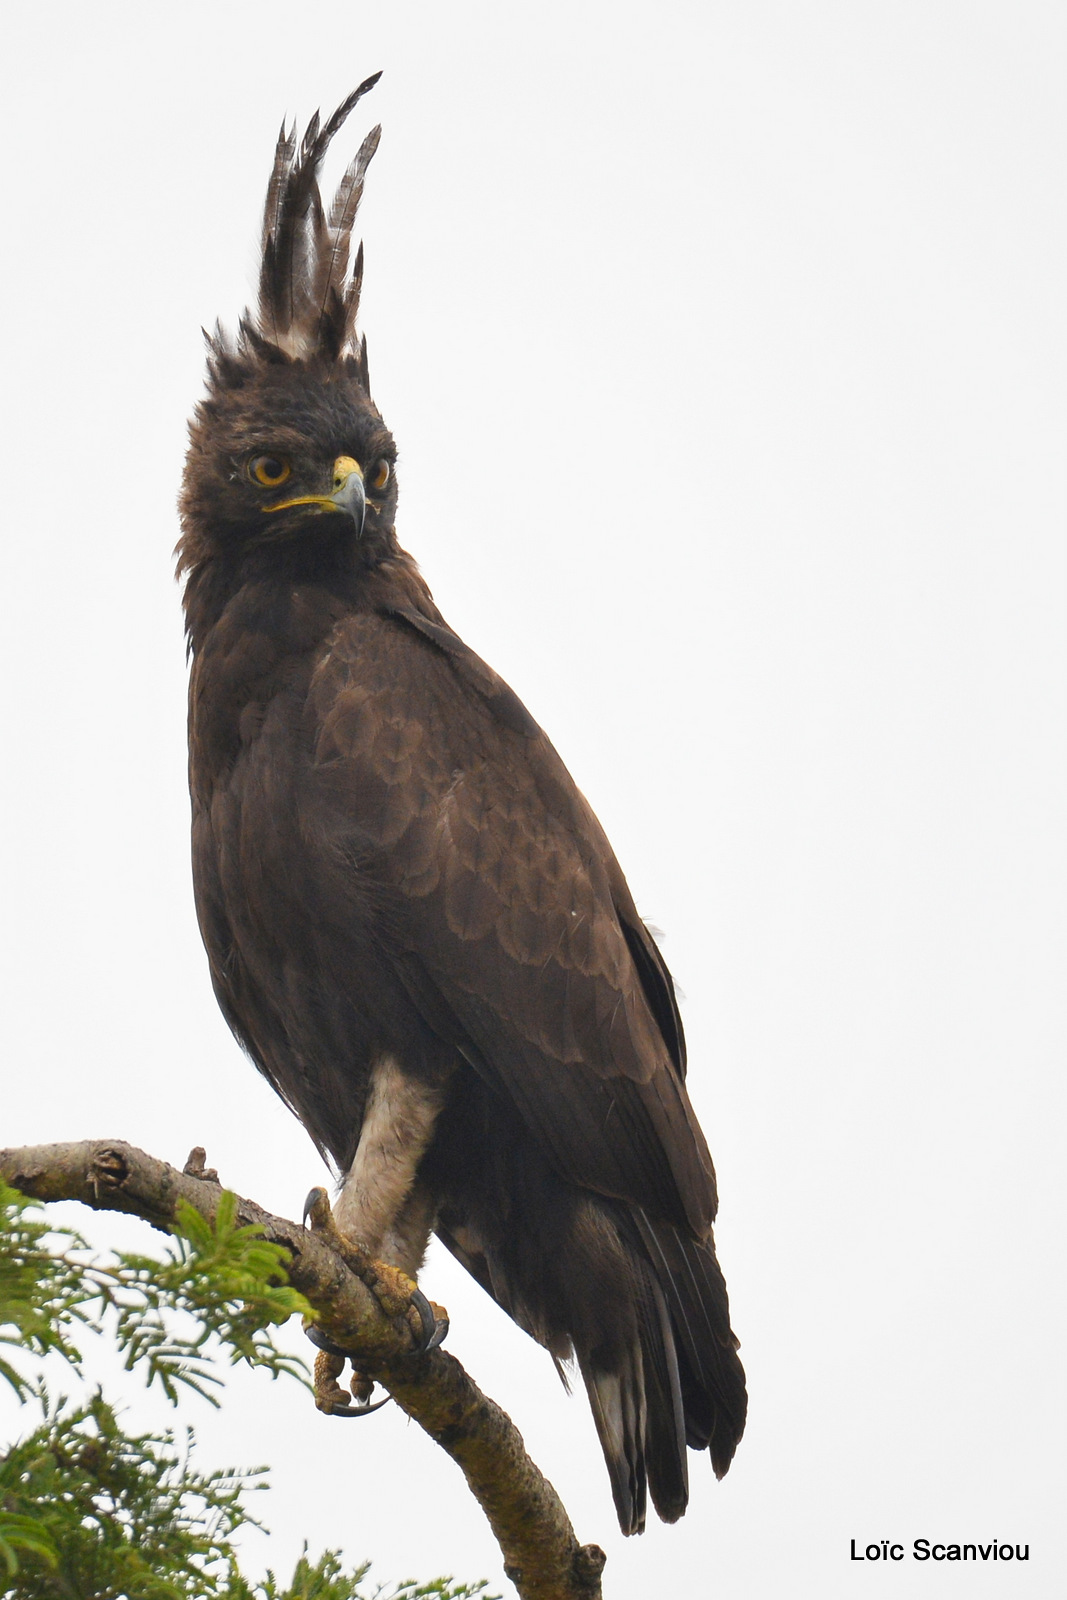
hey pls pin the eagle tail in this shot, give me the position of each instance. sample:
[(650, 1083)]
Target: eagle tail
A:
[(635, 1397), (639, 1303), (711, 1377), (668, 1378)]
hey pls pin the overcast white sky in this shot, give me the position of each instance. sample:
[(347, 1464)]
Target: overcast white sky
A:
[(724, 347)]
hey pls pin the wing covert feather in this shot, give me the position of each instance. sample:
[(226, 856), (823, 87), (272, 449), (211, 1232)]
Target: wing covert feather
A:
[(509, 903)]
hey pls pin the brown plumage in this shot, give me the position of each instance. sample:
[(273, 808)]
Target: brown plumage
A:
[(416, 926)]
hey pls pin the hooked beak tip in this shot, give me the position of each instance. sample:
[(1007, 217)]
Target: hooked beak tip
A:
[(352, 498)]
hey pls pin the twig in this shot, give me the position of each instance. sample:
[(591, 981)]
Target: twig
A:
[(542, 1557)]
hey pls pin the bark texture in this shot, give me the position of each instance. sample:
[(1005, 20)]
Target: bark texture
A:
[(542, 1557)]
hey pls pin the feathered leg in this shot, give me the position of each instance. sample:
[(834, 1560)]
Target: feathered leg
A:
[(383, 1216)]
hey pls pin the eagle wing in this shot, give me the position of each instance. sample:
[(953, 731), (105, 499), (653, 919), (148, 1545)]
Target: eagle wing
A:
[(512, 926)]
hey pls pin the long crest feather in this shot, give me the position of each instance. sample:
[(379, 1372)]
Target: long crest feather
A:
[(307, 301), (341, 222)]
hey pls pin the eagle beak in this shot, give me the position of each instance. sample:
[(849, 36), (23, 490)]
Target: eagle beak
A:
[(348, 494), (348, 491)]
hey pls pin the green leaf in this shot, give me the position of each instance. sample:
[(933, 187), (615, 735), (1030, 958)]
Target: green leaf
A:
[(19, 1532), (89, 1510), (42, 1292)]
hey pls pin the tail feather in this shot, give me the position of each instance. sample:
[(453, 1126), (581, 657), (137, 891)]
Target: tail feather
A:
[(635, 1396), (617, 1401), (638, 1302), (712, 1377), (668, 1468)]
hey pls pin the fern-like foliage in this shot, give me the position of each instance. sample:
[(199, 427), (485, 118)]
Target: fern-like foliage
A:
[(325, 1580), (216, 1293), (231, 1284), (89, 1511), (118, 1516), (43, 1291)]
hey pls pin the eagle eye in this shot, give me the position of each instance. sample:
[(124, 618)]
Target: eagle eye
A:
[(268, 471), (381, 475)]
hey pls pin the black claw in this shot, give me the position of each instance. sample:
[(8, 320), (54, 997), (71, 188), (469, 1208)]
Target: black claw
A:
[(360, 1411), (432, 1330), (322, 1342), (315, 1197), (439, 1332)]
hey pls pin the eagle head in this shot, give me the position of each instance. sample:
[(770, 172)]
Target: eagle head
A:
[(289, 459)]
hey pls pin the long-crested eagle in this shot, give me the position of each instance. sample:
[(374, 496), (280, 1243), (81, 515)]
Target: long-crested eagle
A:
[(415, 924)]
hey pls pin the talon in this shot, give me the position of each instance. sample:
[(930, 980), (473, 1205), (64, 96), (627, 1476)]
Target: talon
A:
[(358, 1410), (321, 1341), (331, 1399), (317, 1200), (440, 1331), (428, 1322), (431, 1329)]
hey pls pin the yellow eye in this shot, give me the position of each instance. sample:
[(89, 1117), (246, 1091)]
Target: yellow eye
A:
[(268, 471), (381, 477)]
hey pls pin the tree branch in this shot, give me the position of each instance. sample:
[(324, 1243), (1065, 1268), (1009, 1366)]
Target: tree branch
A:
[(542, 1557)]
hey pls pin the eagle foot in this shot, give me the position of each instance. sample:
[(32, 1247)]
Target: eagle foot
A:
[(396, 1293), (331, 1399), (400, 1296)]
